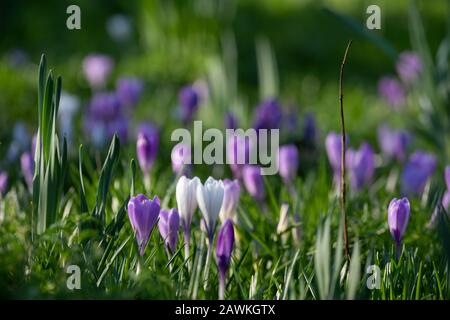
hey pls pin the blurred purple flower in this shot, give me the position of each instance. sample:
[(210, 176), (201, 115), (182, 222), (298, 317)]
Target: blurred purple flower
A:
[(288, 162), (392, 91), (409, 67), (169, 224), (361, 165), (239, 151), (417, 171), (268, 115), (232, 191), (254, 182), (231, 121), (189, 100), (393, 143), (129, 91), (147, 146), (309, 128), (224, 249), (3, 182), (181, 158), (333, 146), (105, 106), (398, 217), (96, 69), (447, 177), (27, 165), (143, 214)]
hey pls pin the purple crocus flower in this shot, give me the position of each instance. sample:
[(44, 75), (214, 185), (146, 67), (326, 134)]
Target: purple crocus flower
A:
[(398, 217), (288, 162), (254, 182), (129, 91), (447, 177), (105, 106), (417, 171), (268, 115), (3, 182), (181, 158), (333, 146), (224, 249), (409, 67), (393, 143), (143, 214), (231, 121), (239, 149), (309, 128), (27, 165), (392, 91), (189, 101), (232, 192), (96, 69), (361, 164), (147, 146), (169, 224), (118, 126)]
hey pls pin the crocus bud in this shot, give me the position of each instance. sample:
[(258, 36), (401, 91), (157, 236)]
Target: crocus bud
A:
[(147, 146), (188, 100), (288, 162), (96, 69), (27, 165), (254, 182), (333, 146), (393, 143), (447, 177), (169, 224), (409, 67), (361, 164), (209, 199), (239, 150), (181, 158), (392, 91), (143, 214), (232, 191), (417, 171), (224, 248), (129, 91), (268, 115), (398, 217), (3, 182)]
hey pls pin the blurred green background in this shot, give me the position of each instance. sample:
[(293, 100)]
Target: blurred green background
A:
[(176, 42)]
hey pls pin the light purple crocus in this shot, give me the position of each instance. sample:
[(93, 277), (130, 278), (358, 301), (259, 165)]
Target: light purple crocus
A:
[(268, 115), (288, 162), (392, 91), (398, 217), (224, 249), (96, 69), (181, 158), (393, 143), (409, 67), (129, 90), (361, 165), (254, 182), (169, 224), (27, 166), (232, 192), (147, 146), (417, 171), (143, 214), (189, 100), (3, 182)]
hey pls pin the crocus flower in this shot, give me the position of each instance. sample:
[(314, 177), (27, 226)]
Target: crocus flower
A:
[(398, 217), (417, 171), (27, 165), (254, 182), (3, 182), (333, 146), (232, 192), (224, 248), (181, 158), (288, 162), (268, 115), (392, 91), (239, 149), (143, 214), (409, 67), (210, 199), (129, 91), (361, 164), (186, 196), (147, 146), (105, 106), (68, 106), (169, 224), (445, 201), (189, 101), (96, 69), (118, 126), (393, 143), (309, 129), (447, 177), (231, 121)]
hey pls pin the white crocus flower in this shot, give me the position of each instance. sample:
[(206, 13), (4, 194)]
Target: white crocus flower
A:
[(210, 198), (186, 200)]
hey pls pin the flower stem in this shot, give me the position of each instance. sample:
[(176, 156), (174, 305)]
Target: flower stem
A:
[(187, 240), (207, 263), (221, 286)]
